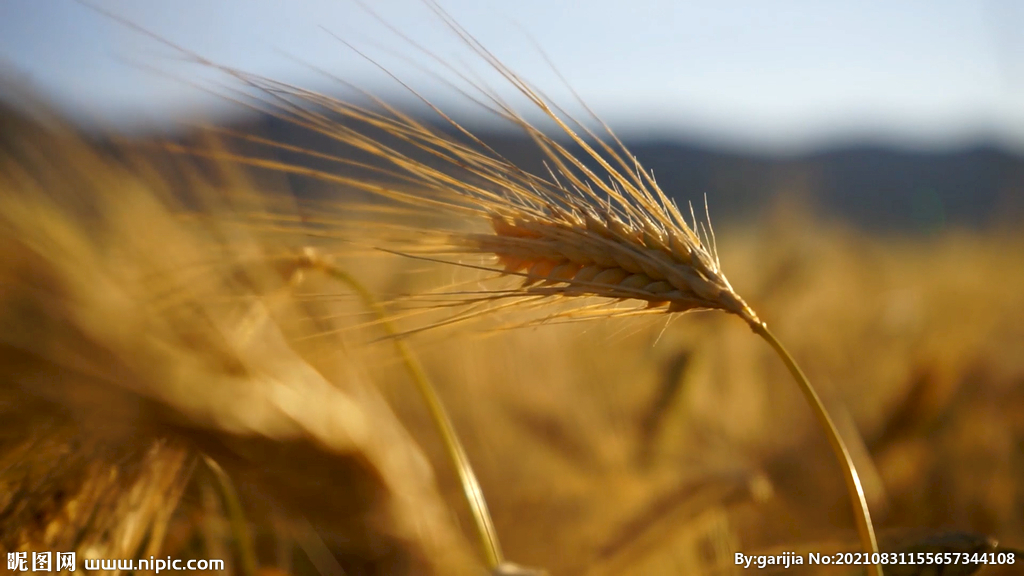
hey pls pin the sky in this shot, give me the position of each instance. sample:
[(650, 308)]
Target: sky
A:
[(786, 75)]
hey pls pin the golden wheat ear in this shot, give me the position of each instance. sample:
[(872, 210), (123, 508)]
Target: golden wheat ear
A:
[(585, 252)]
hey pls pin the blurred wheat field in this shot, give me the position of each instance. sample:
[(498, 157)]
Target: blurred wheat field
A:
[(154, 311)]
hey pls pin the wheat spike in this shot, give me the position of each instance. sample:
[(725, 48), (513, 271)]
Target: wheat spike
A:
[(589, 253), (575, 233)]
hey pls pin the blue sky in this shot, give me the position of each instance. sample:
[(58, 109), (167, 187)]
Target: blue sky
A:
[(788, 74)]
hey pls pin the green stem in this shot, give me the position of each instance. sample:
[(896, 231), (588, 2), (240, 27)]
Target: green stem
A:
[(456, 453), (853, 485)]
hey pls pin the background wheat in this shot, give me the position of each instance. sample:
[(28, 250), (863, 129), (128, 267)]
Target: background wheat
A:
[(137, 337)]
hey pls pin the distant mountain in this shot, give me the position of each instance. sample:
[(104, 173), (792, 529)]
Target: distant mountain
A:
[(873, 187)]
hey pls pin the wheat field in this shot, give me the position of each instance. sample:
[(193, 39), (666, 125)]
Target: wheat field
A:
[(197, 361)]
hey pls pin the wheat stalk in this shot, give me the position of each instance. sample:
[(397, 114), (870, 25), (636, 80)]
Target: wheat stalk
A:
[(311, 259)]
